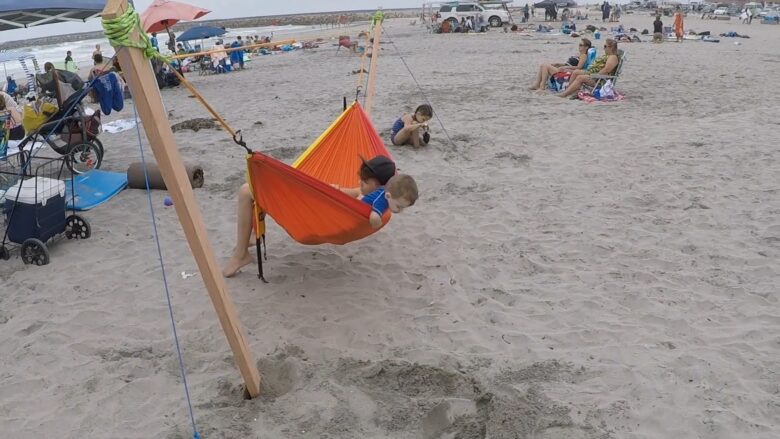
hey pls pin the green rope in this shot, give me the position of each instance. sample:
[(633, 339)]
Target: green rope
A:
[(118, 32)]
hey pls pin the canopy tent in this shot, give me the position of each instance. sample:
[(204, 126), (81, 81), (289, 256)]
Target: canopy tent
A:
[(17, 14), (200, 33)]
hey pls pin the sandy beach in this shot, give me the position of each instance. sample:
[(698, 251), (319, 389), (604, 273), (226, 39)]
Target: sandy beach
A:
[(571, 270)]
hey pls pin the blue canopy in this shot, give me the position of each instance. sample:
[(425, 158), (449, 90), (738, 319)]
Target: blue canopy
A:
[(15, 14), (199, 33)]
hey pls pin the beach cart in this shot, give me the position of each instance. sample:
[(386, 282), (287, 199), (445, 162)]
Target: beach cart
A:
[(33, 207)]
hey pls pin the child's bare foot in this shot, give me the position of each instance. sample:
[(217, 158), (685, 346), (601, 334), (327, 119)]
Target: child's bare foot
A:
[(533, 87), (235, 264)]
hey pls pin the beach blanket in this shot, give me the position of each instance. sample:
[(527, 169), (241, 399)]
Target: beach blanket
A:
[(118, 126), (587, 97)]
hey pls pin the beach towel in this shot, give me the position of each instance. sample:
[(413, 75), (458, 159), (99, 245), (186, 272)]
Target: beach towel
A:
[(110, 93), (587, 97)]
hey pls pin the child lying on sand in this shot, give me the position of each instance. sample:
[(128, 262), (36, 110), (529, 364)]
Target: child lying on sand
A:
[(379, 186)]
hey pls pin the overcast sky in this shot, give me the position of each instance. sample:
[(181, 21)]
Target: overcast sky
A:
[(222, 9)]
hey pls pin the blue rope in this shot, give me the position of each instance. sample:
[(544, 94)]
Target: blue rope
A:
[(419, 87), (196, 435)]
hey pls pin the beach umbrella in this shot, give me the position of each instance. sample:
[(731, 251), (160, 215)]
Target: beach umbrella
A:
[(162, 14), (200, 32), (16, 14)]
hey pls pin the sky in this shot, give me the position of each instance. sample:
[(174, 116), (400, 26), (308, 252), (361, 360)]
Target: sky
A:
[(222, 9)]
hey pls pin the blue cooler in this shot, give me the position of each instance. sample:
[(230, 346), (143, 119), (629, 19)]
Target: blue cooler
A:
[(38, 210)]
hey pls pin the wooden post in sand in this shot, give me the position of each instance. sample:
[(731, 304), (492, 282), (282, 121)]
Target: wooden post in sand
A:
[(372, 68), (148, 101)]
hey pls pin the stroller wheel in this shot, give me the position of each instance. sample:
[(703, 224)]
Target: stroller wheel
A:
[(77, 227), (99, 145), (35, 252), (5, 254), (84, 157)]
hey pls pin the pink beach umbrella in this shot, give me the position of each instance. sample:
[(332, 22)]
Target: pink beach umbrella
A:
[(165, 13)]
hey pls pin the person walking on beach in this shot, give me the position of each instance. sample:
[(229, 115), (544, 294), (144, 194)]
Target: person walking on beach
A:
[(155, 43), (678, 24), (526, 13)]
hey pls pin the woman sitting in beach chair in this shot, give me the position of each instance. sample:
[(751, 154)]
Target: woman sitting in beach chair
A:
[(546, 71), (605, 65)]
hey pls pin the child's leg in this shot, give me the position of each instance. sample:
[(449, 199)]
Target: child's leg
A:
[(241, 256), (408, 135)]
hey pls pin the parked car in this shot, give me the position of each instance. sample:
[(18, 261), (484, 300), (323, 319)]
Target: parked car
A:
[(454, 12), (721, 11)]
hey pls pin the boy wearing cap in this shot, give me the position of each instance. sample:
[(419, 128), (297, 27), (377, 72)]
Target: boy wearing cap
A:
[(374, 174), (395, 191)]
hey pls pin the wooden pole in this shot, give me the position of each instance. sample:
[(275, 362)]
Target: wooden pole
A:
[(372, 68), (231, 49), (148, 101)]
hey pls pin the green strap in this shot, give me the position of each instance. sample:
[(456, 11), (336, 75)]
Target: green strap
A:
[(118, 32)]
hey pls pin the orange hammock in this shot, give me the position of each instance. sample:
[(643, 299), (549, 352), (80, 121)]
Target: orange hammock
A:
[(300, 197)]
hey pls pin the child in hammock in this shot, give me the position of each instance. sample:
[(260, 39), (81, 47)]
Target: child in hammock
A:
[(374, 175), (412, 129)]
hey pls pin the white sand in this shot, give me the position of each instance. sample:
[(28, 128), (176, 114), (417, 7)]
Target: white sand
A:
[(571, 270)]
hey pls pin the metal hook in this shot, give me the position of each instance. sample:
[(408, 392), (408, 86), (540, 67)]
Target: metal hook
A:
[(239, 139)]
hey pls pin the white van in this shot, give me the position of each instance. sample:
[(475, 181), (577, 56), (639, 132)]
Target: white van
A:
[(457, 10)]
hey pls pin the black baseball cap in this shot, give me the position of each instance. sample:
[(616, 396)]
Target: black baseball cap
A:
[(382, 167)]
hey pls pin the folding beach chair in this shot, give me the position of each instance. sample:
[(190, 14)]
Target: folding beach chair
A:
[(602, 79)]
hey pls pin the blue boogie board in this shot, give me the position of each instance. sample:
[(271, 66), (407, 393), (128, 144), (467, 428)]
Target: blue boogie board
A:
[(94, 188)]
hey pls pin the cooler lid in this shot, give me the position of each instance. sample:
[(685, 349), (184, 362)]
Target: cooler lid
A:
[(40, 189)]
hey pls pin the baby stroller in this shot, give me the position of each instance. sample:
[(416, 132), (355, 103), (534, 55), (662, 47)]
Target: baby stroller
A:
[(71, 132)]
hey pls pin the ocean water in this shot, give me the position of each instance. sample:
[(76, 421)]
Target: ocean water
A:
[(82, 50)]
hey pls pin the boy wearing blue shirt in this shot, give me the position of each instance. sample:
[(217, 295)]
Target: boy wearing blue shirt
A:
[(383, 189)]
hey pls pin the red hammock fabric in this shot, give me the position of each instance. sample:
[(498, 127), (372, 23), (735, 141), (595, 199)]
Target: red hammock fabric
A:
[(299, 197)]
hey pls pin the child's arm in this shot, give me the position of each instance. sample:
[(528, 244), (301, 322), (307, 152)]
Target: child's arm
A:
[(353, 192), (375, 219)]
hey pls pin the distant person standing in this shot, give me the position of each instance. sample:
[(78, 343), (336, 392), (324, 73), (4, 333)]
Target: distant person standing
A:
[(678, 24), (605, 10), (237, 56), (658, 30), (10, 86), (97, 52), (70, 65), (526, 13), (171, 41), (155, 43)]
